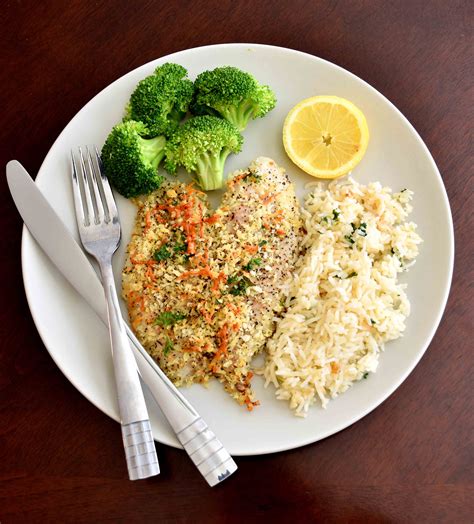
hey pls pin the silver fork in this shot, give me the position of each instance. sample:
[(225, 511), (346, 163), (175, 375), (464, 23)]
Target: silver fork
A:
[(99, 230)]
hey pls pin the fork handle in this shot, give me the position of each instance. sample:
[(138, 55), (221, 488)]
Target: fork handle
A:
[(140, 449)]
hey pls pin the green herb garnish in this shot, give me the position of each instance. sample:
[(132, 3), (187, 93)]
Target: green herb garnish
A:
[(180, 248), (252, 264), (365, 375), (262, 243), (232, 279), (161, 254), (353, 274), (349, 239), (335, 214), (372, 321), (168, 346), (168, 318), (363, 229), (239, 286)]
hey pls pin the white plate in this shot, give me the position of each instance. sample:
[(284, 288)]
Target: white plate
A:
[(396, 156)]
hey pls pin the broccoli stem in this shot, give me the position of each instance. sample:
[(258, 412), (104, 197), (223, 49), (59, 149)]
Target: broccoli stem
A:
[(153, 150), (210, 170), (240, 114)]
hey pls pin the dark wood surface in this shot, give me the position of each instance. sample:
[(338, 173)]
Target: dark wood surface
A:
[(411, 460)]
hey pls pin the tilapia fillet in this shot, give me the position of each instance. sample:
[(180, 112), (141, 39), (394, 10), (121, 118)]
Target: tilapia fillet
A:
[(203, 286)]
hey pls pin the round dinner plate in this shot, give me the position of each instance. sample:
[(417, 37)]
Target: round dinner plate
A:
[(396, 156)]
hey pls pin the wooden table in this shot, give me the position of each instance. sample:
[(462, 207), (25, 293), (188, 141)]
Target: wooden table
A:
[(411, 460)]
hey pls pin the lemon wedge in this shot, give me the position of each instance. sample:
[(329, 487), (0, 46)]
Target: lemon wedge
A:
[(326, 136)]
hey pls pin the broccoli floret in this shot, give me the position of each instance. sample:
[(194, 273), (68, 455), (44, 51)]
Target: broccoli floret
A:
[(161, 100), (201, 145), (232, 94), (131, 161)]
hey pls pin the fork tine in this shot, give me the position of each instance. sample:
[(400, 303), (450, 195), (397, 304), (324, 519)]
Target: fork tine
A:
[(88, 190), (93, 162), (87, 195), (109, 197), (97, 196), (81, 212)]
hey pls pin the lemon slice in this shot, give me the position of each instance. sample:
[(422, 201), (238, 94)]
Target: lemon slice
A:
[(326, 136)]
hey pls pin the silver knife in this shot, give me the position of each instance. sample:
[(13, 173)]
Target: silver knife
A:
[(203, 447)]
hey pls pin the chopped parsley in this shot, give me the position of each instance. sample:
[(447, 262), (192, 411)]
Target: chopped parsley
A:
[(232, 279), (256, 176), (168, 318), (180, 248), (362, 229), (349, 239), (353, 274), (335, 214), (239, 285), (365, 375), (252, 264), (325, 219), (161, 254), (168, 346), (262, 243), (372, 321)]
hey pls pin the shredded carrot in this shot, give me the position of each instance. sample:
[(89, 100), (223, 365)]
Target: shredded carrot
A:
[(147, 220), (158, 217), (238, 178), (235, 326), (196, 349), (223, 339), (152, 287), (334, 367), (137, 321), (250, 404), (149, 273), (192, 190), (281, 232), (149, 262), (233, 308), (212, 219), (268, 197), (217, 280), (201, 272), (251, 249), (206, 315), (136, 298)]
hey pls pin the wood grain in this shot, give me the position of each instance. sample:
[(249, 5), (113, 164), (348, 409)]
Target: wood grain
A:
[(411, 460)]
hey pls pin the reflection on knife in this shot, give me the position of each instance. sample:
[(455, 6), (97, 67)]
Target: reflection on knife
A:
[(207, 453)]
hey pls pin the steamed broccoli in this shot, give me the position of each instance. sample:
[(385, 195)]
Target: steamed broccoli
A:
[(131, 161), (201, 145), (232, 94), (161, 100)]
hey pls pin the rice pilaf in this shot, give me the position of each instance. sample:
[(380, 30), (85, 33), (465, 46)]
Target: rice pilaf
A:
[(344, 301)]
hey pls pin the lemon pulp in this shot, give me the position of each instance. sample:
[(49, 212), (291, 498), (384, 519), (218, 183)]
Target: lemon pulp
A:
[(326, 136)]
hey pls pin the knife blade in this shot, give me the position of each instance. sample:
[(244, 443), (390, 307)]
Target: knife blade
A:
[(65, 253)]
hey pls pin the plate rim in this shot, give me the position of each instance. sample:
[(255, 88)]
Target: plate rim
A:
[(372, 405)]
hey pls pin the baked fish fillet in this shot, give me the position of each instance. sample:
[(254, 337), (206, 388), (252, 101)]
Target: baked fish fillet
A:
[(203, 286)]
